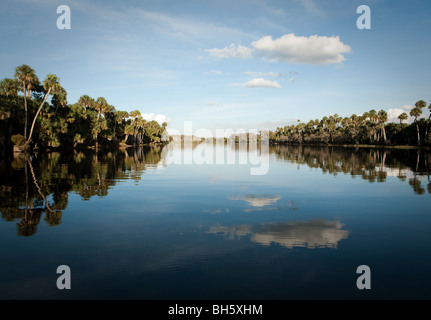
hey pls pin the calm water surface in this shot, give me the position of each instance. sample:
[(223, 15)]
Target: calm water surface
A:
[(132, 225)]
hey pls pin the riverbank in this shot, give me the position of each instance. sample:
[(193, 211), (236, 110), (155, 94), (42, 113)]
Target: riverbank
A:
[(404, 147)]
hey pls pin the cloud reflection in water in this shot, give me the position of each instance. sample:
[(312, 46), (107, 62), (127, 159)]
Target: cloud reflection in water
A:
[(309, 234)]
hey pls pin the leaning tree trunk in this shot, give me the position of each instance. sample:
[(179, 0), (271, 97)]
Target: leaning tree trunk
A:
[(35, 117)]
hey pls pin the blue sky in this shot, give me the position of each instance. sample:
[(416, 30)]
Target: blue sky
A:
[(227, 64)]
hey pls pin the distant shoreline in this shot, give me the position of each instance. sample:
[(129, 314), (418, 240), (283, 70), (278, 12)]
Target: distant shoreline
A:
[(404, 147)]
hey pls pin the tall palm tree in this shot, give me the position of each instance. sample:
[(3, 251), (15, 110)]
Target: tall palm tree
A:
[(51, 86), (416, 112), (382, 118), (419, 105), (27, 78)]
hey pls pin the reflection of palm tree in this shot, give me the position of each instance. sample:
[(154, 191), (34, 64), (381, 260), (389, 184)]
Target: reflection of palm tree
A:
[(28, 226), (416, 184), (38, 188)]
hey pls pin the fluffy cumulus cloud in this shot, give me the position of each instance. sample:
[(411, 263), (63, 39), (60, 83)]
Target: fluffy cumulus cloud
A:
[(317, 50), (259, 83), (160, 118), (232, 51), (395, 112)]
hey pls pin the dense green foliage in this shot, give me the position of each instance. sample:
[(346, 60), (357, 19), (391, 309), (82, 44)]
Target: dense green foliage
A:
[(41, 114), (369, 128)]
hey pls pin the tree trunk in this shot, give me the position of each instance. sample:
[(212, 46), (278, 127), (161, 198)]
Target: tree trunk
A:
[(426, 130), (419, 135), (115, 127), (35, 117), (26, 112), (384, 134)]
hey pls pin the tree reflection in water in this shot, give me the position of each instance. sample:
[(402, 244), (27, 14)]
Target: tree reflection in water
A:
[(31, 187), (37, 185), (371, 164)]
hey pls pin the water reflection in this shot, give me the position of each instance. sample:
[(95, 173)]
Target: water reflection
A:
[(309, 234), (373, 164), (32, 188), (258, 200)]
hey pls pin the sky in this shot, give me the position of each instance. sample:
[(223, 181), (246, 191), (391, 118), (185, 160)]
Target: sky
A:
[(249, 64)]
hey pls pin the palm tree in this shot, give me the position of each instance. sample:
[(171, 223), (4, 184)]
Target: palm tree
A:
[(128, 130), (86, 101), (383, 117), (416, 112), (51, 86), (119, 117), (372, 115), (402, 117), (59, 99), (27, 78), (101, 106), (420, 104)]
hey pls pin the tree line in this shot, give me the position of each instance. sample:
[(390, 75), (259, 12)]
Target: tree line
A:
[(368, 128), (42, 117)]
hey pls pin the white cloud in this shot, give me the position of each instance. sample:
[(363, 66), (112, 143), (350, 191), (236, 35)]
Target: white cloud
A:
[(232, 51), (317, 50), (160, 118), (213, 104), (259, 83), (395, 112), (216, 72), (264, 74)]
